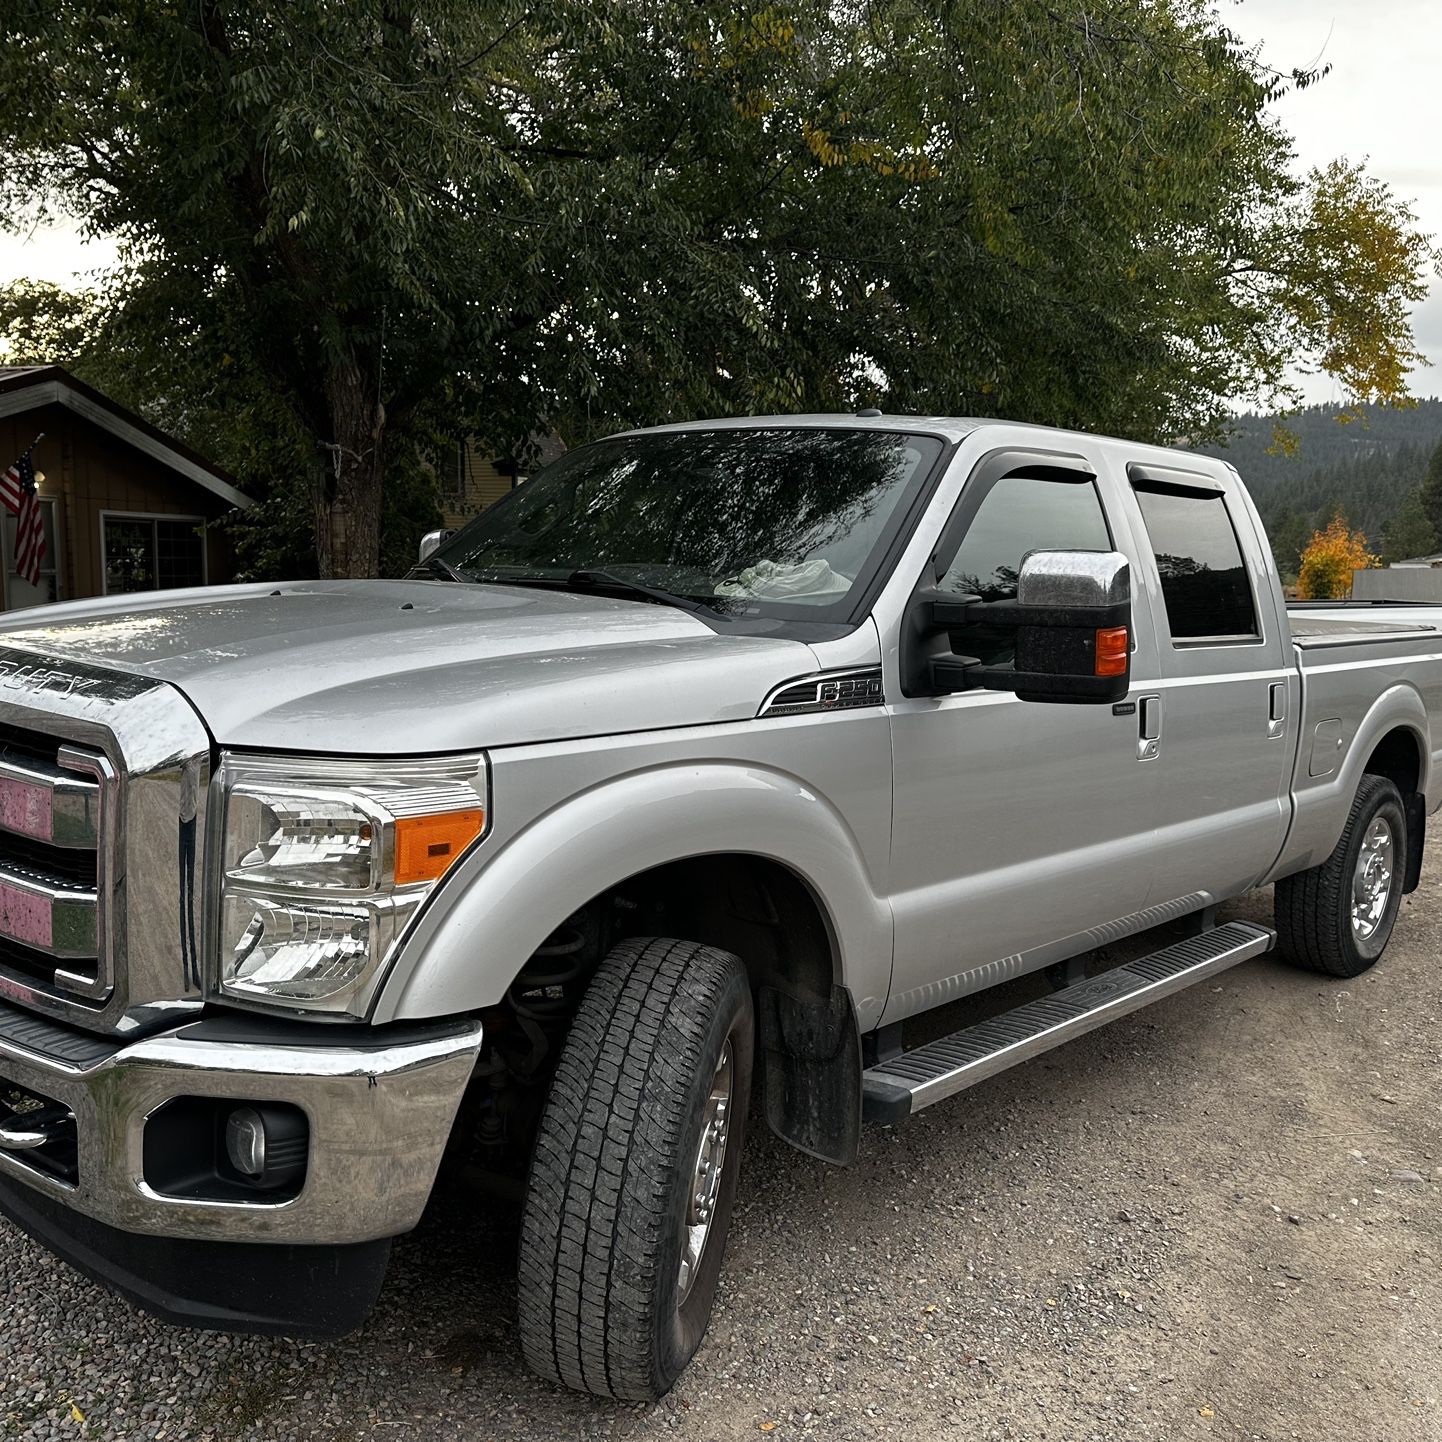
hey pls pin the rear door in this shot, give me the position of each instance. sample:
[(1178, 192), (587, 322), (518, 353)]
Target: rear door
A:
[(1224, 707), (1018, 827)]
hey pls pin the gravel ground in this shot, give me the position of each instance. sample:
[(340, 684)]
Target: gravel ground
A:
[(1215, 1219)]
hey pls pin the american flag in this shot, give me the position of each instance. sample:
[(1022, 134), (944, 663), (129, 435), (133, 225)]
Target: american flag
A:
[(17, 490)]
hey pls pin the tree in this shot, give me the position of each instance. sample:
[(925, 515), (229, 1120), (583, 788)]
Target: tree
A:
[(352, 230), (1409, 533), (1288, 533), (1329, 559), (1431, 491)]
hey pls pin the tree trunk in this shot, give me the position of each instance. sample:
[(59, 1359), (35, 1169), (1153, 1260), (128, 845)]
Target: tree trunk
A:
[(348, 505)]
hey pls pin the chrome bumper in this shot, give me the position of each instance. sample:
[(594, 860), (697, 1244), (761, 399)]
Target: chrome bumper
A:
[(380, 1113)]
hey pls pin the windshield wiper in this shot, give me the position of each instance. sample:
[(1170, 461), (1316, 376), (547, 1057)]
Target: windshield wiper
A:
[(442, 567), (591, 580)]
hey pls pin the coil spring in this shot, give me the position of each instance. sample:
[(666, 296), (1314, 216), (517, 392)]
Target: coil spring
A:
[(541, 996), (540, 991)]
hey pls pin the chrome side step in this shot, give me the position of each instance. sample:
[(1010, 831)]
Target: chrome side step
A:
[(904, 1084)]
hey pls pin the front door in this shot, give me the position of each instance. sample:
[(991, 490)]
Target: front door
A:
[(20, 591), (1017, 826)]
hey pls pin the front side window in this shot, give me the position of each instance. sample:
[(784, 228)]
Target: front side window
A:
[(1021, 513), (785, 522), (1205, 586)]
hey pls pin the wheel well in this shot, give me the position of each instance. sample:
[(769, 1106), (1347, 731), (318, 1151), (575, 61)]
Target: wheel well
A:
[(749, 905), (1398, 757), (809, 1050), (755, 908)]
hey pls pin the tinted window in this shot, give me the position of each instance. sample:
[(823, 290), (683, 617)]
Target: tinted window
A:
[(1021, 514), (1204, 583)]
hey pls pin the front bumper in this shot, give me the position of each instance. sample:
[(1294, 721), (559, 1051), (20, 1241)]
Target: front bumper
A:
[(379, 1103), (298, 1291)]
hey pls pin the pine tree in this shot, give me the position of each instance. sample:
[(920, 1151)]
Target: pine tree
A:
[(1431, 492), (1409, 533)]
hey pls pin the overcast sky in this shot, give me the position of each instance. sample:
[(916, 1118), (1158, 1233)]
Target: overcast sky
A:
[(1382, 103)]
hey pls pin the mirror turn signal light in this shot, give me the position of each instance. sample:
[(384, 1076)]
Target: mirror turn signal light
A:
[(1112, 650), (427, 845)]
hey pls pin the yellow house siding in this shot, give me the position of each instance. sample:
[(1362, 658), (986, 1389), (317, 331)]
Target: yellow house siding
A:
[(473, 484)]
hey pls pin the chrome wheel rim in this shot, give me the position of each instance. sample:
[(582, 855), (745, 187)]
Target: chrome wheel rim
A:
[(707, 1170), (1372, 879)]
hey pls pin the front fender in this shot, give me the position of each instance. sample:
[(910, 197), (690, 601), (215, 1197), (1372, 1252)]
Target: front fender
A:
[(502, 902)]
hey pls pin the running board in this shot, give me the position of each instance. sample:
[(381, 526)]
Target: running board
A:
[(904, 1084)]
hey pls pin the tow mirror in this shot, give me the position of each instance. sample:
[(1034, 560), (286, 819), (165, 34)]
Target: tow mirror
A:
[(1073, 621), (432, 541)]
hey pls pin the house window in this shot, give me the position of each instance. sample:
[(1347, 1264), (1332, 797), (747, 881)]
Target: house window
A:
[(152, 553), (20, 593)]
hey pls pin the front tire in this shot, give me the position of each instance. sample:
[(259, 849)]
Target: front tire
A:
[(634, 1170), (1337, 918)]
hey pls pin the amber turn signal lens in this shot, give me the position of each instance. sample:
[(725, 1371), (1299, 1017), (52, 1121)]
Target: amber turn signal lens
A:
[(426, 845), (1113, 644)]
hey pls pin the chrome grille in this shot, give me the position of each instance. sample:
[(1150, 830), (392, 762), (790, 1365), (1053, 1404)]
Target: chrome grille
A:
[(57, 804), (104, 782)]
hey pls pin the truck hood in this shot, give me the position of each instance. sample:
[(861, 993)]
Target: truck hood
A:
[(405, 667)]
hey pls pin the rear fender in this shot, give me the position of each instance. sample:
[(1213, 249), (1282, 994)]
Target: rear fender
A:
[(1323, 802)]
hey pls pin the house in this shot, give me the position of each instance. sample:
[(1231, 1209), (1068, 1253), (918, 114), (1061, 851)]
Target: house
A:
[(472, 480), (125, 507)]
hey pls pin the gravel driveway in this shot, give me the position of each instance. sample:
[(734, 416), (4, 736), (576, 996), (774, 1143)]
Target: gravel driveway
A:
[(1215, 1219)]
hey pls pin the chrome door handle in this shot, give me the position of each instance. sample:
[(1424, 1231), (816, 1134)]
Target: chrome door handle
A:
[(1276, 710), (1149, 729)]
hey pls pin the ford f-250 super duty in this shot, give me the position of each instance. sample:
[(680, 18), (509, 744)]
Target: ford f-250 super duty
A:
[(711, 756)]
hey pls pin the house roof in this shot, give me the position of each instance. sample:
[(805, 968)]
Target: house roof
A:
[(25, 388)]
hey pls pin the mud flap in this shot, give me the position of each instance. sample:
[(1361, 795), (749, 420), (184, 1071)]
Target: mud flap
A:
[(812, 1072), (1415, 809)]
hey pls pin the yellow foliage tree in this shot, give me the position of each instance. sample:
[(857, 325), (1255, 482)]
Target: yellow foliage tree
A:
[(1329, 559)]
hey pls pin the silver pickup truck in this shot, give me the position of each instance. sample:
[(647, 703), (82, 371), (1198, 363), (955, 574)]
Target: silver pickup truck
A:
[(680, 782)]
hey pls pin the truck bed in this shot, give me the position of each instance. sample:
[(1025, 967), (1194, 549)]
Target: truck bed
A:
[(1341, 623)]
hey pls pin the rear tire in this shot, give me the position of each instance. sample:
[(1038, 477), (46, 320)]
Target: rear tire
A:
[(1336, 918), (635, 1170)]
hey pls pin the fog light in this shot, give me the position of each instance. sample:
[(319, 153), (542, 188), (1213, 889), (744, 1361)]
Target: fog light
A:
[(245, 1141), (267, 1145)]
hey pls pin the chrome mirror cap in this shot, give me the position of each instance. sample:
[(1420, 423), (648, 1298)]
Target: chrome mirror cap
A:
[(432, 541), (1065, 579)]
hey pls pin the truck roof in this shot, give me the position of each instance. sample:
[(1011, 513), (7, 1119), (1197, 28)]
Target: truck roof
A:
[(950, 428)]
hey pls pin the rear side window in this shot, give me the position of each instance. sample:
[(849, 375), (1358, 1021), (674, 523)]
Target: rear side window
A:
[(1205, 586)]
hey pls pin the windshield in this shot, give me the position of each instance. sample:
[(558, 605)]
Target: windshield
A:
[(772, 521)]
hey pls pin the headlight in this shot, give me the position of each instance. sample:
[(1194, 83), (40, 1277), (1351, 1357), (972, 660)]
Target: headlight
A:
[(324, 864)]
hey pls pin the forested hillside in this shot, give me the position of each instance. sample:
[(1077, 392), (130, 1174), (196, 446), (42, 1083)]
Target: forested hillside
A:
[(1369, 467)]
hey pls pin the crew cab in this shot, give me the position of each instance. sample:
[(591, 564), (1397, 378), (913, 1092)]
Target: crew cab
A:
[(688, 776)]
